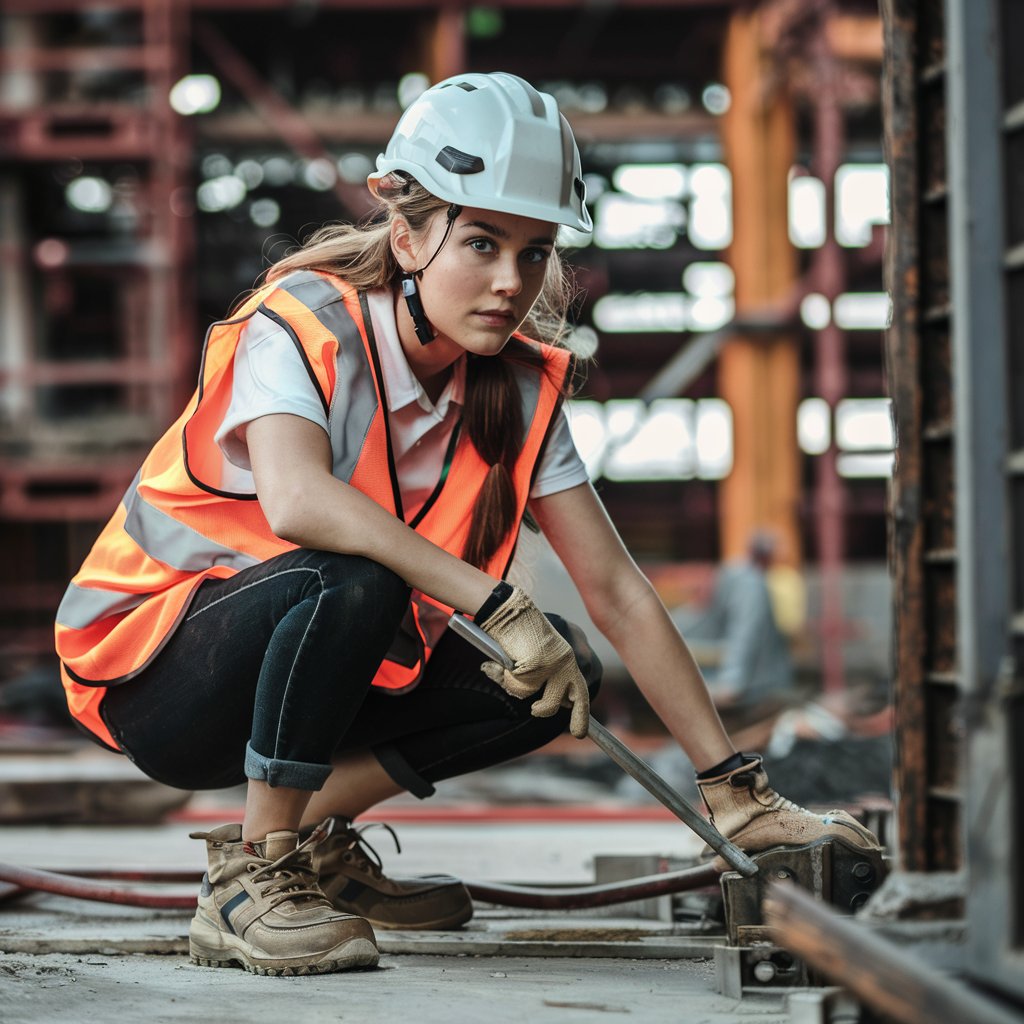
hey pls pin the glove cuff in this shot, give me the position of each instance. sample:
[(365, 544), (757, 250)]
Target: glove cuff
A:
[(497, 597)]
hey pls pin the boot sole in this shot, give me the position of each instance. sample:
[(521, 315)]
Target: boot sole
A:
[(351, 955)]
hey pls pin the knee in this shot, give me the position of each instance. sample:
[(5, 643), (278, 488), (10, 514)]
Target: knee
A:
[(586, 657), (361, 587)]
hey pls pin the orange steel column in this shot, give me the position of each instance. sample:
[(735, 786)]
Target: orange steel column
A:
[(759, 378)]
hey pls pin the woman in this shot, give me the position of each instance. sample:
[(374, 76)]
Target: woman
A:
[(369, 432)]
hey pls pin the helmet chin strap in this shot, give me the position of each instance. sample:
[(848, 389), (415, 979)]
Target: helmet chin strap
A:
[(411, 293)]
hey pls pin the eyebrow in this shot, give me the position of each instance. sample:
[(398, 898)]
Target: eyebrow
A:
[(493, 229)]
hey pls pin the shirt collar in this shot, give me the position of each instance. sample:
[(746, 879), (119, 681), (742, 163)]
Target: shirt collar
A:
[(400, 382)]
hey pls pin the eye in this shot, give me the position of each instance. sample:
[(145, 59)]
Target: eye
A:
[(536, 256), (484, 245)]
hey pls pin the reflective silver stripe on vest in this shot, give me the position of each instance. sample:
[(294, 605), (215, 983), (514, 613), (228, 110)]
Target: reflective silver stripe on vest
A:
[(166, 540), (82, 606), (354, 402)]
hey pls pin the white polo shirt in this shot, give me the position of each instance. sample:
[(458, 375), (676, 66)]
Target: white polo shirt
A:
[(269, 377)]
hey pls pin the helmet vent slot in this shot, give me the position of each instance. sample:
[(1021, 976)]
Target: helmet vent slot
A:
[(454, 160)]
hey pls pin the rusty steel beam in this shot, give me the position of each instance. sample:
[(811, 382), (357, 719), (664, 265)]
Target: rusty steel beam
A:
[(830, 352), (922, 544), (69, 6), (881, 974)]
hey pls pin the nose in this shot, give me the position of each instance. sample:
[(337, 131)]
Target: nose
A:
[(507, 278)]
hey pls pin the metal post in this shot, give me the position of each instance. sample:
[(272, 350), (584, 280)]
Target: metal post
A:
[(977, 220)]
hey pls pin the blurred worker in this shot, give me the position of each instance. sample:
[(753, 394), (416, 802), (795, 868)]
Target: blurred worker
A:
[(738, 634), (269, 601)]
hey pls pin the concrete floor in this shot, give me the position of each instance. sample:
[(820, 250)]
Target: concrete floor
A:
[(413, 988), (73, 960)]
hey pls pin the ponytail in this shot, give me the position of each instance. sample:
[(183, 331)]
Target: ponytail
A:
[(494, 423)]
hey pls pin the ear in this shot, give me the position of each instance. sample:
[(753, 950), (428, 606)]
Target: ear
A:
[(403, 245)]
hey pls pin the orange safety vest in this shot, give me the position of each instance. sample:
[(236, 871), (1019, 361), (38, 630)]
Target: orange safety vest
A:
[(184, 519)]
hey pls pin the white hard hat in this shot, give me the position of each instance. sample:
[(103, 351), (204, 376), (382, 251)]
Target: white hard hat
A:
[(494, 142)]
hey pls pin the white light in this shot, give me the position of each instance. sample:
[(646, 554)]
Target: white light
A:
[(582, 341), (814, 426), (862, 311), (195, 94), (714, 439), (716, 98), (673, 439), (319, 174), (642, 311), (587, 426), (815, 311), (251, 172), (623, 222), (711, 181), (411, 87), (806, 212), (90, 195), (862, 200), (660, 444), (709, 313), (712, 280), (278, 170), (877, 465), (711, 209), (217, 194), (651, 181), (354, 167), (216, 165), (865, 424), (265, 213)]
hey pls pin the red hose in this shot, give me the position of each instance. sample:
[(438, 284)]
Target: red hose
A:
[(76, 884)]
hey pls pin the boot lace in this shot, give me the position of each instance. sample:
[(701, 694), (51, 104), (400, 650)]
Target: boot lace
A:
[(292, 876), (359, 851)]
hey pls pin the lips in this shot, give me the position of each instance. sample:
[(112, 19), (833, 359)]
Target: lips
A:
[(496, 317)]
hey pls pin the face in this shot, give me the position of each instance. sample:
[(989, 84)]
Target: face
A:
[(485, 279)]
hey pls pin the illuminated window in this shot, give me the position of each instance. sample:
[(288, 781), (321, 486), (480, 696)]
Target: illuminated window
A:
[(711, 206), (625, 222), (651, 181), (862, 311), (671, 439), (815, 311), (865, 424), (642, 311), (864, 434), (806, 211), (814, 426), (862, 200)]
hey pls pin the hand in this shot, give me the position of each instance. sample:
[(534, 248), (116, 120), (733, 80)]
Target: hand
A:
[(745, 809), (542, 659)]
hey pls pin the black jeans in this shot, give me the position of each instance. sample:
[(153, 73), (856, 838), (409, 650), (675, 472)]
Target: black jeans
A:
[(269, 677)]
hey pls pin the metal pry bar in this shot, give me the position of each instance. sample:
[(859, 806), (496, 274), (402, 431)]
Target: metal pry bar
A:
[(632, 765)]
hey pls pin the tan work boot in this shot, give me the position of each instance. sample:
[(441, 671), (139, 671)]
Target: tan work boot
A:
[(352, 878), (745, 809), (260, 908)]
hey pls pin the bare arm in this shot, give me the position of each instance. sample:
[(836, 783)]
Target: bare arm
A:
[(305, 504), (628, 611)]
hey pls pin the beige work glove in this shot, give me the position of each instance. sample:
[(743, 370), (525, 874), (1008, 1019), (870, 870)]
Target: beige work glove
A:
[(543, 660), (745, 809)]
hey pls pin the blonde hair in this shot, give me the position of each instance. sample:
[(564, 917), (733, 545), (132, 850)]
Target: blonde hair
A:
[(361, 254)]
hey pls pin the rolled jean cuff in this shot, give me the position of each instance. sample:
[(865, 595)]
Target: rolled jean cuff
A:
[(293, 774), (401, 772)]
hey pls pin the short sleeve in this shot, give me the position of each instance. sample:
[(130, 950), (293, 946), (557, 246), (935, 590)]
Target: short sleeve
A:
[(560, 465), (269, 377)]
